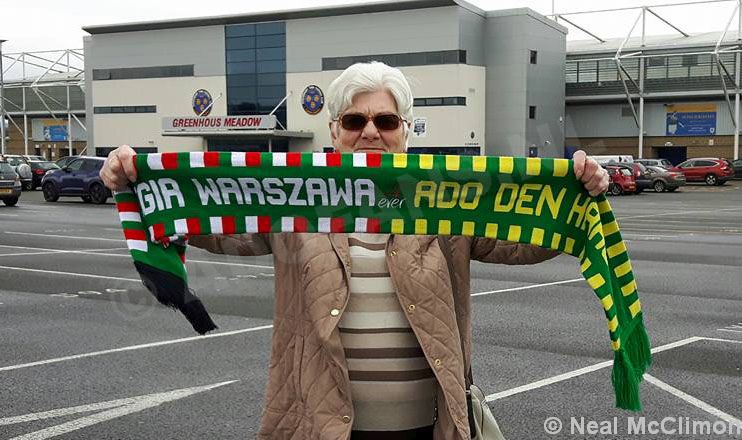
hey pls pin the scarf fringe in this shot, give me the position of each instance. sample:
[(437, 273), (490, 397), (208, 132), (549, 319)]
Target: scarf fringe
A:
[(629, 365)]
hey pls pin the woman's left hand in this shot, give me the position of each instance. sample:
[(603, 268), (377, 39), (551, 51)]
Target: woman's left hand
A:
[(590, 173)]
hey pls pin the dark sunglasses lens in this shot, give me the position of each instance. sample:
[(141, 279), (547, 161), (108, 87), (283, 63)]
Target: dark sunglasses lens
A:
[(353, 122), (386, 122)]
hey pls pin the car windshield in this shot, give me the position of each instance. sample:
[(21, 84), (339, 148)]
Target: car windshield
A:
[(46, 165), (5, 168), (13, 161), (625, 172)]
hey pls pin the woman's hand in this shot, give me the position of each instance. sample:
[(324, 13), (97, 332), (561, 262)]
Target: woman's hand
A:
[(119, 170), (590, 173)]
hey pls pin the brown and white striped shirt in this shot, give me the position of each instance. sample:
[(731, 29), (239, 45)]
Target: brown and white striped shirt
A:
[(392, 385)]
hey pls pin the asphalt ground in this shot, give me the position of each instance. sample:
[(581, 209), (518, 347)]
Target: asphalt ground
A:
[(85, 353)]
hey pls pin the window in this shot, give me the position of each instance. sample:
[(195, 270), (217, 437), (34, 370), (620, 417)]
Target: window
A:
[(399, 59), (533, 56), (704, 163), (447, 100), (143, 72), (626, 112), (125, 109), (75, 165), (531, 112)]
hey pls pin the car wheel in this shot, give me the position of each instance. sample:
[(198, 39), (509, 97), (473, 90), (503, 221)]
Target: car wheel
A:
[(659, 186), (27, 186), (711, 179), (51, 194), (11, 201), (86, 199), (615, 189), (98, 194)]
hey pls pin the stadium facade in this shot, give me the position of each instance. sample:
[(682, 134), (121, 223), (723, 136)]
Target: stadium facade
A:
[(484, 82)]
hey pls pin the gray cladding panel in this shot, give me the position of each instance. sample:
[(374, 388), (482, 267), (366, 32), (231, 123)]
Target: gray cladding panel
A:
[(471, 36), (424, 30), (201, 46)]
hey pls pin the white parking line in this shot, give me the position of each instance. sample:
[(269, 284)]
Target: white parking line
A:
[(530, 286), (579, 372), (64, 236), (134, 347), (676, 213), (57, 251), (693, 401), (71, 274), (218, 263)]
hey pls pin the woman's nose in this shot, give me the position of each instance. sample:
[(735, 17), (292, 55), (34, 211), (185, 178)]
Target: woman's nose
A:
[(370, 131)]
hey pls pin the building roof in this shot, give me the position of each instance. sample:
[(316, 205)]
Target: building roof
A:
[(292, 14), (672, 42)]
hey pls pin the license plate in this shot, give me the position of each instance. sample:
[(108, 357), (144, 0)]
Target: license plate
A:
[(5, 191)]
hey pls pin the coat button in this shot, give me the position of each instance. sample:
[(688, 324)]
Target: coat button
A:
[(393, 252), (437, 362), (334, 312), (411, 307), (346, 419)]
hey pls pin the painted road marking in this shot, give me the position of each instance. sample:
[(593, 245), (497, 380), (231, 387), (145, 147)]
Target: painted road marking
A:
[(72, 274), (591, 368), (99, 252), (694, 401), (110, 410), (32, 234), (734, 328), (677, 212), (133, 347), (530, 286)]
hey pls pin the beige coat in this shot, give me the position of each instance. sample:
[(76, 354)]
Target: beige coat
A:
[(308, 391)]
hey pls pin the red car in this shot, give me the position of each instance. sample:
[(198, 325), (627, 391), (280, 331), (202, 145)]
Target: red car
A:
[(622, 180), (711, 170)]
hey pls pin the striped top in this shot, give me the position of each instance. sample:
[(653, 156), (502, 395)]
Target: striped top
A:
[(392, 385)]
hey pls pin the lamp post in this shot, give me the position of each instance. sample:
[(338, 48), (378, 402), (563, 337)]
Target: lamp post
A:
[(2, 102)]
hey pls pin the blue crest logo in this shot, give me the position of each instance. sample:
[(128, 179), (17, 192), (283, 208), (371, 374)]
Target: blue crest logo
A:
[(312, 100), (201, 100)]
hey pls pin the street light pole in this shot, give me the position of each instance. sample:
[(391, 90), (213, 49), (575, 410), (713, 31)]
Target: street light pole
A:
[(2, 102)]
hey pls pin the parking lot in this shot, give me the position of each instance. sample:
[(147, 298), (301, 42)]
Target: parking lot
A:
[(86, 353)]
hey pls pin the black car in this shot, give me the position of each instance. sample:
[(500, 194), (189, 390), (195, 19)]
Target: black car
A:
[(38, 169), (737, 166), (80, 178), (10, 184)]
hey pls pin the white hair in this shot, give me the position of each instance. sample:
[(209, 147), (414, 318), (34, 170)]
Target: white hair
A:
[(369, 77)]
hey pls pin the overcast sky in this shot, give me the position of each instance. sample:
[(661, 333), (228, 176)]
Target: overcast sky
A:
[(54, 24)]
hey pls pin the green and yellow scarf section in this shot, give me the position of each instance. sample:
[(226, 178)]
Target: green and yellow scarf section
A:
[(526, 200)]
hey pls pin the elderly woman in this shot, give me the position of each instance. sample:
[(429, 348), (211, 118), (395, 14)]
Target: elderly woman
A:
[(366, 340)]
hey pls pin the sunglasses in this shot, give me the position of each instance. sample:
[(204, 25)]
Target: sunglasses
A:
[(357, 121)]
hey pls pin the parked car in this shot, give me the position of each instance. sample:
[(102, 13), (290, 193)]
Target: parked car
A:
[(30, 157), (80, 178), (665, 180), (737, 166), (639, 171), (711, 170), (605, 159), (61, 163), (39, 169), (663, 163), (622, 180), (22, 168), (10, 184)]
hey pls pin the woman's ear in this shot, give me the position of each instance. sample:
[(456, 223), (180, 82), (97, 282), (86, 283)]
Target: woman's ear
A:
[(334, 133)]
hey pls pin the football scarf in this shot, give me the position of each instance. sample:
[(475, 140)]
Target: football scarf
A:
[(526, 200)]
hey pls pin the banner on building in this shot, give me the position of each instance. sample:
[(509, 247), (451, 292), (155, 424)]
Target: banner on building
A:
[(190, 123), (691, 120), (55, 130)]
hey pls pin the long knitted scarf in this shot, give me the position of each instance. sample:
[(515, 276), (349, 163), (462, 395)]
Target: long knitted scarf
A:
[(526, 200)]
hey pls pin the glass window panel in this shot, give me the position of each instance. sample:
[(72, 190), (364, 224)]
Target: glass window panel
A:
[(656, 72), (434, 101), (417, 102), (607, 71), (462, 56), (450, 101), (588, 71), (277, 27), (677, 72), (329, 63), (239, 30), (236, 95), (271, 40), (247, 79), (273, 53), (117, 110), (271, 66), (240, 43), (434, 58), (234, 56), (246, 67), (272, 79), (416, 59), (700, 70), (272, 92)]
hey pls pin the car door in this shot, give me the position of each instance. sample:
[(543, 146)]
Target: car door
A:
[(688, 169), (72, 176), (737, 165)]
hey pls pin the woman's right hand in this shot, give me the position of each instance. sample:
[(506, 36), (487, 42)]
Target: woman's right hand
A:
[(119, 170)]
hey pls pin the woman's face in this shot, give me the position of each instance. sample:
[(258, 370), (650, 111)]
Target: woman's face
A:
[(369, 138)]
